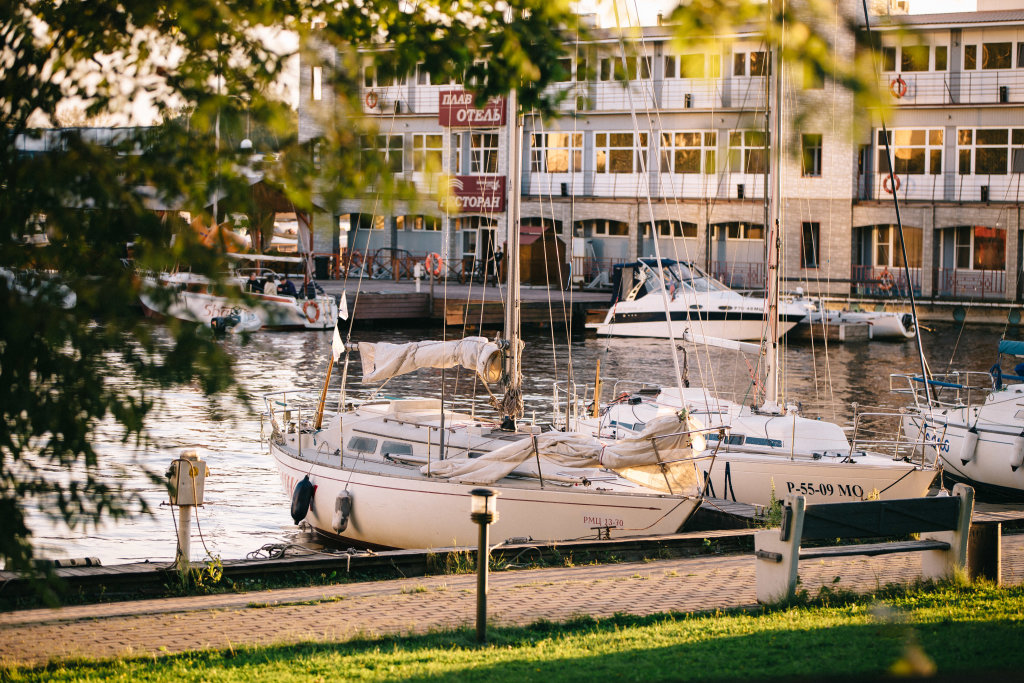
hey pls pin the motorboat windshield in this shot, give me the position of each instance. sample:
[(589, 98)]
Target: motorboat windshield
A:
[(688, 276)]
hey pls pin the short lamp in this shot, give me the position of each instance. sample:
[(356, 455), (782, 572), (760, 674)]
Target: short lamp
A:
[(483, 506)]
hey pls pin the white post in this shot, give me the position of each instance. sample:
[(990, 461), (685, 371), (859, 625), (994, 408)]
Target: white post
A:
[(181, 561)]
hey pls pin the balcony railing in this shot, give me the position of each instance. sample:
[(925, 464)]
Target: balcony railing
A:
[(964, 87), (883, 281), (971, 284), (740, 275)]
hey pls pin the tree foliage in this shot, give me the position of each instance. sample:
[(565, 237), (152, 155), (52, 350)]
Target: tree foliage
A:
[(65, 369)]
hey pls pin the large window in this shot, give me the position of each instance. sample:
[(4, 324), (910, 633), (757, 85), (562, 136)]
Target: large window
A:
[(670, 229), (750, 63), (990, 151), (915, 152), (992, 56), (619, 152), (612, 69), (810, 155), (389, 147), (914, 57), (431, 223), (601, 227), (426, 153), (737, 230), (688, 152), (483, 153), (810, 234), (977, 247), (556, 152), (879, 246), (691, 66), (747, 153)]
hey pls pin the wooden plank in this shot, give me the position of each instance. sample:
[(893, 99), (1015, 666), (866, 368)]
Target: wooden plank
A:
[(873, 518), (871, 549)]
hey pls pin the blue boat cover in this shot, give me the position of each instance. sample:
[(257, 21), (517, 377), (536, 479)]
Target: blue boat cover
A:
[(1013, 348)]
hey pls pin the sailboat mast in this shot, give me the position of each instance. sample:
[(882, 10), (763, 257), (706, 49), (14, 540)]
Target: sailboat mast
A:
[(774, 203), (512, 404)]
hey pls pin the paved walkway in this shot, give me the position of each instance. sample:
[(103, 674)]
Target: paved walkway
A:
[(332, 613)]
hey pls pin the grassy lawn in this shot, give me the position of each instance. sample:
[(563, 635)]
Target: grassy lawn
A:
[(946, 629)]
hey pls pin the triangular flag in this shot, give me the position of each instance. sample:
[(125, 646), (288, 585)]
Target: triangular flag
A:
[(343, 307), (337, 344)]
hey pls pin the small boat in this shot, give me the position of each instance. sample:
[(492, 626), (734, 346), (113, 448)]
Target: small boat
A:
[(887, 325), (698, 304), (973, 422), (193, 297)]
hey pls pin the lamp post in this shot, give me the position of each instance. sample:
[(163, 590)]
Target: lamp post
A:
[(483, 513)]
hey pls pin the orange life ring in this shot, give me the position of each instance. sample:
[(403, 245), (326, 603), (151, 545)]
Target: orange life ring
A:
[(434, 264), (886, 281), (316, 311), (891, 183), (898, 87), (371, 99), (355, 259)]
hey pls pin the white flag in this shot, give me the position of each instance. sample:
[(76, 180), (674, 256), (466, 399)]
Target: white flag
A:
[(343, 307), (337, 344)]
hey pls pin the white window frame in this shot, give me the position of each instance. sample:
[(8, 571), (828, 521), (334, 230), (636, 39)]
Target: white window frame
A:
[(543, 146), (707, 148), (603, 145)]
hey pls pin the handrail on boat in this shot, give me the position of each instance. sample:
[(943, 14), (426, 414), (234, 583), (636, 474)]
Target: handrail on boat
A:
[(899, 444)]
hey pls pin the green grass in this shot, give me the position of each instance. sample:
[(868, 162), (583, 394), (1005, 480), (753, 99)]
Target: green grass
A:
[(950, 628)]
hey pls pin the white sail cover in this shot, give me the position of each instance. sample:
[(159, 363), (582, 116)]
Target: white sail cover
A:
[(573, 450), (383, 361)]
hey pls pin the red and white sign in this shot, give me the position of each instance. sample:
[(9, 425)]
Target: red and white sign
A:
[(477, 194), (455, 109)]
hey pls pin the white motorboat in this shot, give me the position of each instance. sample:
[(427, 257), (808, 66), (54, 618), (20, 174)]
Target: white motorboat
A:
[(974, 423), (887, 325), (697, 303), (193, 297), (760, 454)]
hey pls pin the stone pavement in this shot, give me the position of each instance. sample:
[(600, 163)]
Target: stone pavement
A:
[(417, 605)]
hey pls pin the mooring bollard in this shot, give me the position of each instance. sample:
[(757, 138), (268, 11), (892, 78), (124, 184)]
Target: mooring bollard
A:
[(484, 513), (417, 273), (186, 479)]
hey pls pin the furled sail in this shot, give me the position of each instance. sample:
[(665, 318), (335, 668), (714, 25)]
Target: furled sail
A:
[(667, 439), (383, 361)]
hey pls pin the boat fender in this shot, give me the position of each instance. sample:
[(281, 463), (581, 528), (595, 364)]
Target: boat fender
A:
[(908, 322), (969, 446), (1017, 456), (342, 511), (301, 498)]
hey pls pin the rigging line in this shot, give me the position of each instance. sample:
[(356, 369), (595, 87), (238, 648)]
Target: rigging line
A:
[(540, 210), (674, 199), (899, 220), (650, 207)]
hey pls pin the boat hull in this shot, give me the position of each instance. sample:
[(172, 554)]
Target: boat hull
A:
[(737, 327), (753, 478), (276, 312), (394, 511)]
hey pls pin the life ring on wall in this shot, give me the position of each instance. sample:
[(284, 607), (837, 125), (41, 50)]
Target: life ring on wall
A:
[(886, 281), (307, 307), (355, 259), (891, 183), (898, 87), (433, 264), (371, 99)]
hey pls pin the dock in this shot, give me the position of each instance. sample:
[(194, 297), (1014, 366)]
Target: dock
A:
[(469, 306)]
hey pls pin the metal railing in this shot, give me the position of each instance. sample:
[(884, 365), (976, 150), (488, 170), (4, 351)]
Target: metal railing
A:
[(971, 284), (884, 281), (949, 389)]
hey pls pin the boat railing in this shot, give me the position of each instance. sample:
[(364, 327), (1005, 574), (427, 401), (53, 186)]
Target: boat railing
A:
[(948, 390), (570, 401), (277, 402), (874, 431)]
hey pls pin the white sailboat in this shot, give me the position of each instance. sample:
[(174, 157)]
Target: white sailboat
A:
[(698, 303), (398, 473), (974, 423), (882, 325), (770, 450)]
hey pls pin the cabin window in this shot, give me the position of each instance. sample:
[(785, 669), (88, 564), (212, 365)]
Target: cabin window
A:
[(747, 153), (392, 448), (602, 227), (737, 230), (990, 151), (888, 59), (996, 55), (362, 444), (941, 57), (426, 153), (970, 57), (915, 58), (671, 229)]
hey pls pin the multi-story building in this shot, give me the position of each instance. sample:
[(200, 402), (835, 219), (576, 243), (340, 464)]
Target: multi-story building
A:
[(657, 136)]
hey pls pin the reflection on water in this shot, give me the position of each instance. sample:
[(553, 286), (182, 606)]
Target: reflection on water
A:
[(246, 508)]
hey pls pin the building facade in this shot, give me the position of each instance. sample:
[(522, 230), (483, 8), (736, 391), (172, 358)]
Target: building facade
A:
[(660, 140)]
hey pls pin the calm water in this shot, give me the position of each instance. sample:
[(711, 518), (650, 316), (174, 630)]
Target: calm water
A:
[(246, 508)]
